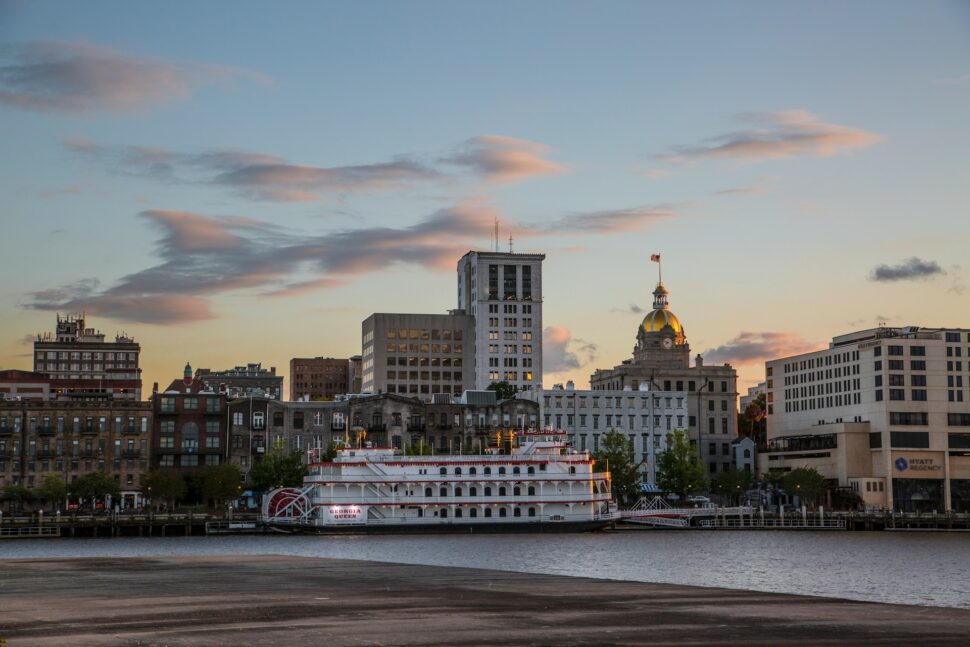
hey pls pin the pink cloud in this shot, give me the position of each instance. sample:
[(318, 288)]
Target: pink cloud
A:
[(758, 347), (505, 159)]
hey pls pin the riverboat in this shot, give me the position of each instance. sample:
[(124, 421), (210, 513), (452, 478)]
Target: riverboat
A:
[(535, 483)]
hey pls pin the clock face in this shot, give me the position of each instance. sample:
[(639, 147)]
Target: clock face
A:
[(668, 342)]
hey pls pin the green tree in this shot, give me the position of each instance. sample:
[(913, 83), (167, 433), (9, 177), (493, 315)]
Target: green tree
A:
[(752, 422), (53, 490), (732, 484), (163, 485), (17, 496), (331, 452), (503, 390), (278, 468), (616, 455), (95, 486), (807, 484), (678, 468), (219, 482), (421, 449)]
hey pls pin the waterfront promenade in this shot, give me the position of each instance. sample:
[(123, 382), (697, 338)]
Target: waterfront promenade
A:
[(273, 600)]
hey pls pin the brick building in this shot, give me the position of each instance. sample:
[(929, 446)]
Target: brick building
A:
[(190, 427), (319, 378)]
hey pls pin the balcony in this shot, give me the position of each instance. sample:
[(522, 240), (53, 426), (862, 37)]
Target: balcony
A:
[(45, 453), (89, 431), (131, 431), (89, 453)]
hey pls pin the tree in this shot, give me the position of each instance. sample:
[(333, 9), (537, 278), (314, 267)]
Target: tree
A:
[(752, 422), (678, 468), (278, 469), (616, 455), (164, 485), (331, 452), (95, 486), (807, 484), (53, 490), (421, 449), (17, 496), (503, 390), (219, 482), (732, 484)]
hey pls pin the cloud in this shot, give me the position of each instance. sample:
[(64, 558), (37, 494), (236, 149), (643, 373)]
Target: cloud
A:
[(778, 135), (79, 78), (758, 347), (633, 309), (745, 190), (201, 256), (561, 352), (68, 190), (909, 270), (504, 159), (607, 221)]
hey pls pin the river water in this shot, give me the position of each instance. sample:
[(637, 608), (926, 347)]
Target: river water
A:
[(903, 567)]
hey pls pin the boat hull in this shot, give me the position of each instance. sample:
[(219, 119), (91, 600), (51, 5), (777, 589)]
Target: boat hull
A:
[(545, 527)]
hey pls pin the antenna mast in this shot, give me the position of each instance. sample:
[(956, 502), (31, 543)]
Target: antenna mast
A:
[(496, 233)]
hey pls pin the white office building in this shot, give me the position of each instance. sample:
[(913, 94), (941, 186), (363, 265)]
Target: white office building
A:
[(502, 292)]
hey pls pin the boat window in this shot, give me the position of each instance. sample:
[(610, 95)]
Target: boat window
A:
[(532, 512), (473, 512), (457, 470), (501, 491), (516, 512), (488, 491), (443, 492), (532, 491), (443, 470), (572, 470), (427, 491), (457, 491), (532, 470), (503, 512), (501, 470), (458, 512), (473, 492), (472, 470), (444, 514), (488, 512), (516, 470), (517, 491)]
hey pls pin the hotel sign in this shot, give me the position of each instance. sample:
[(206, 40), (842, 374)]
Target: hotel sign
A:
[(919, 466)]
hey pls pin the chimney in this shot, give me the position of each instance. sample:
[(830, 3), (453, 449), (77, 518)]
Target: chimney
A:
[(698, 361), (155, 387)]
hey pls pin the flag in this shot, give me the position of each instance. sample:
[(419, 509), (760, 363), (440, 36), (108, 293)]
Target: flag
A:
[(655, 258)]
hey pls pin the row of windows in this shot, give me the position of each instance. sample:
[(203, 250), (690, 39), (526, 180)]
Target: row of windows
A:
[(827, 374), (434, 376), (618, 402), (186, 460), (47, 424), (826, 360), (615, 421), (109, 356), (391, 347), (825, 402), (190, 428), (425, 334), (191, 403)]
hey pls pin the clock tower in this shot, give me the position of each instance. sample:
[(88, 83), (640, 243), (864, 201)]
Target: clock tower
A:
[(661, 341)]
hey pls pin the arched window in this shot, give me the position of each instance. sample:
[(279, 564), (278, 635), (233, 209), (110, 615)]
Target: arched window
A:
[(532, 491), (473, 491), (502, 512), (444, 514), (532, 469), (457, 470), (488, 491), (501, 470), (501, 491), (517, 491), (458, 512), (532, 512), (427, 491), (473, 512), (488, 512), (457, 491), (488, 470), (572, 469), (516, 470), (443, 471), (443, 491), (472, 471), (516, 512)]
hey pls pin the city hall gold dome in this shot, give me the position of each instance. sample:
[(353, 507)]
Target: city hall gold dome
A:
[(656, 320)]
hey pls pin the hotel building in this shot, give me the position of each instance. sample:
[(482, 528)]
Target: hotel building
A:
[(884, 412)]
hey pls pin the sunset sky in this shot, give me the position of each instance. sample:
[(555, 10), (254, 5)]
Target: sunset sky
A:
[(234, 182)]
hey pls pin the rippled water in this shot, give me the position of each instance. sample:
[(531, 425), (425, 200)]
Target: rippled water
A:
[(910, 568)]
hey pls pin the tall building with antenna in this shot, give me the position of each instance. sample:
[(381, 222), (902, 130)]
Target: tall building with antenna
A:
[(502, 293)]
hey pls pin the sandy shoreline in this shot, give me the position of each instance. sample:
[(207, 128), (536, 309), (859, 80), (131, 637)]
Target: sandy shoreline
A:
[(274, 600)]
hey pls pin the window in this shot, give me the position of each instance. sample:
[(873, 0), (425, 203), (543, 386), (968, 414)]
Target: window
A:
[(919, 395), (895, 350), (917, 364), (897, 394), (915, 439), (908, 418), (190, 404), (958, 419)]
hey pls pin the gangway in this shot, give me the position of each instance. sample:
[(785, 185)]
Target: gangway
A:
[(657, 512)]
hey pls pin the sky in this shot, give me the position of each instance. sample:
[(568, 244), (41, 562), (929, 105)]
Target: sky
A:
[(234, 182)]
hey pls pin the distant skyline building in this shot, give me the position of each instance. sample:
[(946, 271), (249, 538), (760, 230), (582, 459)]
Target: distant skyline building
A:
[(417, 355), (753, 392), (502, 293), (320, 378), (884, 412), (661, 362), (244, 381), (83, 365)]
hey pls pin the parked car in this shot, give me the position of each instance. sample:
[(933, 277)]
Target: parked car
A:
[(699, 500)]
